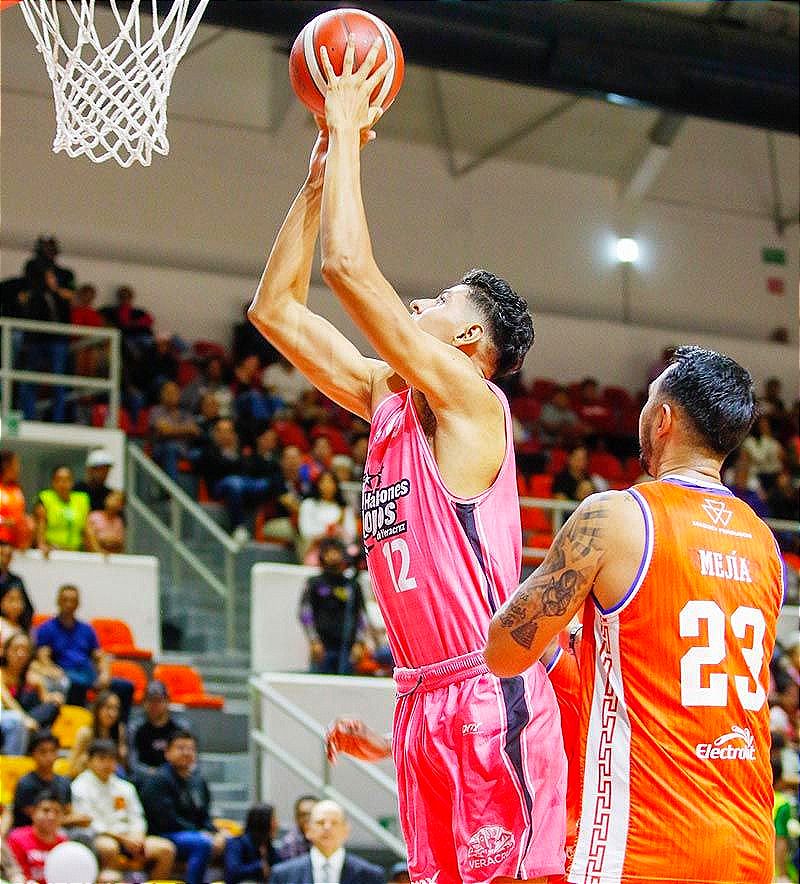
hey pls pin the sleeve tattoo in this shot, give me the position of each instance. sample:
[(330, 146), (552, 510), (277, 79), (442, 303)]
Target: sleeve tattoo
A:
[(566, 575)]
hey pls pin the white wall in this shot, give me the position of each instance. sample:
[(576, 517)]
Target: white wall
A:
[(122, 587), (214, 205), (567, 347), (322, 698), (277, 641)]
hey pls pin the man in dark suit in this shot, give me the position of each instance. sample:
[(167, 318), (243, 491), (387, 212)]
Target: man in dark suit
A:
[(328, 862)]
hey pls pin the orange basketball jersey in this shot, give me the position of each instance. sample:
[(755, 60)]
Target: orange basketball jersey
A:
[(676, 777)]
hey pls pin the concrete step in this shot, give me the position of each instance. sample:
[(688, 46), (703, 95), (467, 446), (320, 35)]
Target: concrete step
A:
[(225, 792), (229, 689)]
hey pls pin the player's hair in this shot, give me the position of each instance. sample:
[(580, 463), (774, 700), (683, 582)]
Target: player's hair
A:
[(510, 323), (715, 393)]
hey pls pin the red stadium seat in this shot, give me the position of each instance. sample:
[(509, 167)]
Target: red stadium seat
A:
[(535, 519), (525, 409), (543, 388), (187, 372), (541, 485), (522, 485), (116, 638), (291, 433), (606, 465), (618, 398), (558, 460), (134, 673), (185, 686)]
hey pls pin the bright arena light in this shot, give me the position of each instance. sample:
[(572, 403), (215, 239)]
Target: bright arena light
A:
[(627, 250)]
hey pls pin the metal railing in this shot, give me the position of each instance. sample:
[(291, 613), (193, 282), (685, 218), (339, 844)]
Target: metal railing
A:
[(12, 340), (182, 510), (319, 780)]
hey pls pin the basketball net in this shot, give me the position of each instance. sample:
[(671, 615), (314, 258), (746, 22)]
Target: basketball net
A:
[(111, 99)]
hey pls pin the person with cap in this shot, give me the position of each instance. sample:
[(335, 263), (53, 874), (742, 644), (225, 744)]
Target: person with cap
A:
[(150, 737), (98, 466)]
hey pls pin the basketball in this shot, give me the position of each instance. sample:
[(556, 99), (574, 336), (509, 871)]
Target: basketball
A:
[(331, 29)]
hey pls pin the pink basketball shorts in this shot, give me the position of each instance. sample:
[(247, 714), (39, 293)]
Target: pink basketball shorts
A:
[(481, 773)]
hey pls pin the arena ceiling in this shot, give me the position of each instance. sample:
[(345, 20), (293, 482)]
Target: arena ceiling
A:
[(235, 74)]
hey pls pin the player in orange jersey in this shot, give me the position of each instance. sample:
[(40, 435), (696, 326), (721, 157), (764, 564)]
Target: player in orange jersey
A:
[(681, 585)]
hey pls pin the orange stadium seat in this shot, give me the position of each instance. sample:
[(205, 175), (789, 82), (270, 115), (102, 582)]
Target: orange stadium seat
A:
[(39, 618), (116, 638), (134, 673), (185, 685)]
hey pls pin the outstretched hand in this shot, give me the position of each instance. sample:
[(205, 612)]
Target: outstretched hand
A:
[(353, 737), (347, 99)]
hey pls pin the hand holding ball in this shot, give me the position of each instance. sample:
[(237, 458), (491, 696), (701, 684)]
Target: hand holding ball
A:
[(331, 30)]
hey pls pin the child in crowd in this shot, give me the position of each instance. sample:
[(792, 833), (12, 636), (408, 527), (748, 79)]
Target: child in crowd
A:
[(31, 844)]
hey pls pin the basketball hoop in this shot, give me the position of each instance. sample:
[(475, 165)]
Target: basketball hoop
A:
[(111, 96)]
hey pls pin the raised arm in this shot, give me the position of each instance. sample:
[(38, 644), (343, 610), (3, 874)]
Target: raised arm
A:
[(599, 548), (444, 374), (279, 311)]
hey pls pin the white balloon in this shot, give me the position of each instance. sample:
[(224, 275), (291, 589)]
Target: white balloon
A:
[(70, 863)]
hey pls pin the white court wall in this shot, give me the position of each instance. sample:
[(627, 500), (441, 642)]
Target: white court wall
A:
[(323, 697), (567, 347), (211, 209), (119, 586)]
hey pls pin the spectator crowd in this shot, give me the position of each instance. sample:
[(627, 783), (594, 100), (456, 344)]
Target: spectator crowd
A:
[(245, 433)]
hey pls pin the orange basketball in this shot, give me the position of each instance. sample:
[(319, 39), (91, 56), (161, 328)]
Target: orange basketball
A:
[(331, 29)]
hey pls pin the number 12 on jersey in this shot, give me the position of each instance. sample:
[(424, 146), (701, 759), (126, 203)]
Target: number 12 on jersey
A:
[(400, 578)]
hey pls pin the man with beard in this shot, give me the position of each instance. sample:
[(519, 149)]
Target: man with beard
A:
[(680, 585)]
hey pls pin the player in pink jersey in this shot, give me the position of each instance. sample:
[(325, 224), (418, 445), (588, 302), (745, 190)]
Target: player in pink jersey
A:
[(481, 768)]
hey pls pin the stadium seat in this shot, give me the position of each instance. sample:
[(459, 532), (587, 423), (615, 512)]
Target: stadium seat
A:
[(62, 766), (185, 686), (543, 388), (618, 398), (116, 638), (541, 485), (39, 618), (291, 433), (233, 828), (187, 372), (134, 673), (606, 465), (558, 460), (525, 409), (522, 485), (12, 769), (535, 519), (69, 721)]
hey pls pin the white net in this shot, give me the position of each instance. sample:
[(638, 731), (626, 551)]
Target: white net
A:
[(111, 93)]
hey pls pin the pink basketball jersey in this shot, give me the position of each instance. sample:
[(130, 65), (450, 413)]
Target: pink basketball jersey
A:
[(440, 565)]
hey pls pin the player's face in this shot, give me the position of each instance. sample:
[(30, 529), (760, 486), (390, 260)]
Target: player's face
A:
[(446, 315)]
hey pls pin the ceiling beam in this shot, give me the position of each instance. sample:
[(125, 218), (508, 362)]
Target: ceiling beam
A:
[(711, 67)]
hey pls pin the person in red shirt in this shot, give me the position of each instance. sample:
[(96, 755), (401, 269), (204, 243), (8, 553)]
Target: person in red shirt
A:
[(31, 844)]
